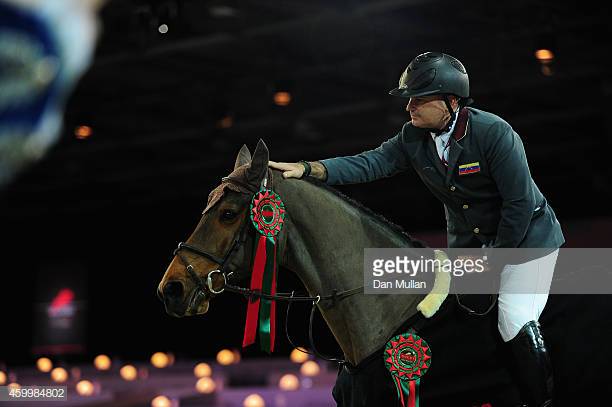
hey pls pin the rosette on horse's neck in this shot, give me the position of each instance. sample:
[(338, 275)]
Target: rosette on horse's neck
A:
[(267, 214)]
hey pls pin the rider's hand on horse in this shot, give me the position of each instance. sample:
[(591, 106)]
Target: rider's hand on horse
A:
[(296, 170), (290, 170)]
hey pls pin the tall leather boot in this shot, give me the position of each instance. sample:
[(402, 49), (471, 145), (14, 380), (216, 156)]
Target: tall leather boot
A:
[(534, 370)]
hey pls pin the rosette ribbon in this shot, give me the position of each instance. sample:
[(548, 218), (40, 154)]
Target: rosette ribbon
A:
[(267, 213), (407, 357)]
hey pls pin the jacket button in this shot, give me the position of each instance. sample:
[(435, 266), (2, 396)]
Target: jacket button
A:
[(452, 187), (465, 206), (476, 230)]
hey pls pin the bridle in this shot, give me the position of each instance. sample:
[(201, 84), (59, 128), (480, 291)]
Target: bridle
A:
[(205, 287)]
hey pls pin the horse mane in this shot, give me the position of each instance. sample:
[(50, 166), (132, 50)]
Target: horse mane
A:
[(377, 217)]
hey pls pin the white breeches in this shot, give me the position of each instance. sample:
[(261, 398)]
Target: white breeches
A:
[(516, 307)]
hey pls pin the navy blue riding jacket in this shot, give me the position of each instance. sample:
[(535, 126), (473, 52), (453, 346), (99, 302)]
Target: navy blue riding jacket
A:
[(488, 194)]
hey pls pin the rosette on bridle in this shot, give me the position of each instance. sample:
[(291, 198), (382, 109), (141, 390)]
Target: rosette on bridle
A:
[(267, 214)]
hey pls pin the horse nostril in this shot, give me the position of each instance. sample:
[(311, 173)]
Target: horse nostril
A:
[(173, 290)]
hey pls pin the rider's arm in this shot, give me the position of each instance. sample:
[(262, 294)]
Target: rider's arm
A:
[(386, 160)]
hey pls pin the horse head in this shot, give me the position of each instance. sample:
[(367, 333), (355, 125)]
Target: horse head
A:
[(218, 250)]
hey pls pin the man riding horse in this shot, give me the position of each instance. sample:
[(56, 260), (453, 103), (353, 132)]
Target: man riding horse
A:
[(475, 164)]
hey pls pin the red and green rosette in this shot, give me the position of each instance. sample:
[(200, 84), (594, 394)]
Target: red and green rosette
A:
[(267, 213), (407, 357)]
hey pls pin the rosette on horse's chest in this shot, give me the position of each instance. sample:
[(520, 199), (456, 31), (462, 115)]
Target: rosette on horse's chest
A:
[(407, 357)]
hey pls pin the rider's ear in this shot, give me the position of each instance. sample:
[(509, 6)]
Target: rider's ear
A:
[(259, 164), (244, 156)]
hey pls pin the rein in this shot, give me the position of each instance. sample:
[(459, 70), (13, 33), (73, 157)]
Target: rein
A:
[(206, 286)]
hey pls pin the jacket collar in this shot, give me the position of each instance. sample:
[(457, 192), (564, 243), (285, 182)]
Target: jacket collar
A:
[(460, 130)]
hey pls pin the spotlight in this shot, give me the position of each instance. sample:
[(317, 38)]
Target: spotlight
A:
[(128, 373), (282, 90), (545, 46), (226, 357), (254, 400), (289, 382), (310, 368), (44, 365), (282, 98), (85, 388), (59, 375), (166, 13), (202, 370), (161, 401), (83, 132), (205, 385), (298, 356), (544, 55), (160, 360), (102, 362)]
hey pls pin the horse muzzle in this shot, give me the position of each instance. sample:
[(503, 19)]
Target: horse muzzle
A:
[(179, 302)]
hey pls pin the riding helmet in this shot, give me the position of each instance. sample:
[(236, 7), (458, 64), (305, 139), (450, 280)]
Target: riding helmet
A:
[(433, 73)]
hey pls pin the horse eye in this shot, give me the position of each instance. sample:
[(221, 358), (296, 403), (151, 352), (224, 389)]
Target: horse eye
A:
[(228, 214)]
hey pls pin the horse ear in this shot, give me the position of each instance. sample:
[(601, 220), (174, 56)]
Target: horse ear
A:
[(244, 156), (259, 164)]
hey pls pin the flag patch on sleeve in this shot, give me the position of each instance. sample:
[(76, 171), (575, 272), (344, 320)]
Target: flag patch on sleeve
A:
[(470, 168)]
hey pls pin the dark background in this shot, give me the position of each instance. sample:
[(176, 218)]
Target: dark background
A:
[(105, 213)]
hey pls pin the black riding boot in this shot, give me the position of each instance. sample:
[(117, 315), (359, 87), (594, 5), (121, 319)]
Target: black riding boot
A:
[(532, 360)]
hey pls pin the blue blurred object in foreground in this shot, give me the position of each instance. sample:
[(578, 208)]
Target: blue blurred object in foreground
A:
[(45, 46)]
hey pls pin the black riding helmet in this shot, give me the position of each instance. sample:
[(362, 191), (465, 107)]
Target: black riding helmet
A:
[(435, 73)]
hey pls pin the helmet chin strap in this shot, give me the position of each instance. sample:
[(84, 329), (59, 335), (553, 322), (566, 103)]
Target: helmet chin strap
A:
[(453, 114), (448, 125)]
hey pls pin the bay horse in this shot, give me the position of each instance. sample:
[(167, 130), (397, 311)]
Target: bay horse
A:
[(322, 242)]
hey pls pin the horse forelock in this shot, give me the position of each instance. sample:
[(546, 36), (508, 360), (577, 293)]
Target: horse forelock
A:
[(216, 194)]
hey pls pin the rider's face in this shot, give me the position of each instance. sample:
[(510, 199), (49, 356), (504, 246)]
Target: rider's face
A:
[(428, 111)]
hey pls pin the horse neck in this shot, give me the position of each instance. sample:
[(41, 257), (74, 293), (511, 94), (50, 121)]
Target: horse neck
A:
[(326, 236)]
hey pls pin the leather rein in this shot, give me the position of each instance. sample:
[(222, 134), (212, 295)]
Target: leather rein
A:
[(205, 286)]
